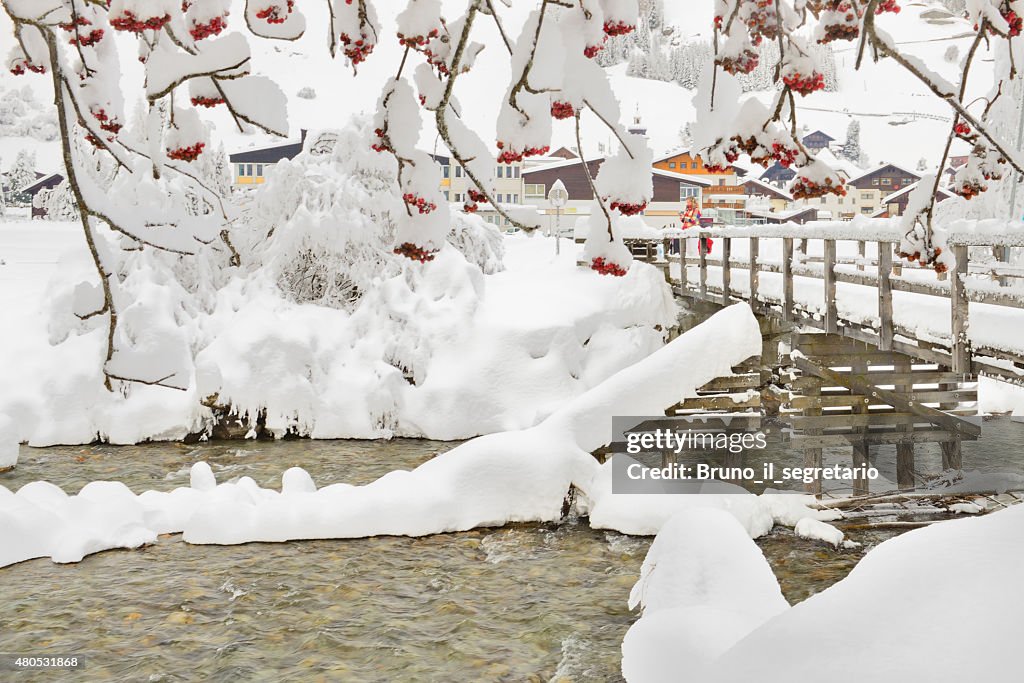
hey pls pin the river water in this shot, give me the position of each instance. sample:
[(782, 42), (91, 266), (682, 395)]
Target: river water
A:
[(520, 603)]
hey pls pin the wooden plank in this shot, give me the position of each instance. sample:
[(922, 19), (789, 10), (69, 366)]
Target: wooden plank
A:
[(726, 268), (856, 420), (959, 311), (847, 400), (733, 382), (861, 449), (860, 385), (862, 252), (787, 279), (719, 402), (810, 442), (885, 331), (755, 274), (682, 263), (813, 456), (831, 310), (885, 377)]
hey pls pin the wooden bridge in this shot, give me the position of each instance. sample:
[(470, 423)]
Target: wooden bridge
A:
[(880, 352)]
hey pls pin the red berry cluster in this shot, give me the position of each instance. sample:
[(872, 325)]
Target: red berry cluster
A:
[(718, 22), (887, 6), (18, 68), (73, 25), (607, 267), (382, 144), (743, 63), (627, 209), (618, 28), (208, 102), (843, 25), (786, 156), (509, 156), (470, 207), (805, 85), (476, 196), (211, 28), (713, 168), (562, 110), (129, 22), (417, 42), (1011, 17), (91, 38), (93, 140), (963, 130), (272, 14), (356, 50), (411, 251), (916, 256), (190, 153), (418, 203), (805, 188), (590, 51), (762, 21), (107, 122)]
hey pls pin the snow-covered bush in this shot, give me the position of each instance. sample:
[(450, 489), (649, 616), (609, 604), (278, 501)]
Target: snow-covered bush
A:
[(306, 93)]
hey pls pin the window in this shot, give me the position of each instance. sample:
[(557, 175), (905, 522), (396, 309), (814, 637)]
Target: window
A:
[(458, 171), (821, 200), (259, 170), (501, 171), (874, 181), (721, 182), (687, 191), (241, 169), (866, 209), (693, 164), (248, 170), (458, 196), (446, 171), (534, 190), (840, 200), (865, 196), (515, 199), (887, 181), (447, 195), (517, 171), (671, 164)]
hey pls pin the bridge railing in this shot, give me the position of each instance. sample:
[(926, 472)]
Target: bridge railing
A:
[(873, 264)]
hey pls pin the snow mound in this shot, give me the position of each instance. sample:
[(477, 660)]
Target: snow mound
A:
[(703, 585), (888, 619), (818, 531)]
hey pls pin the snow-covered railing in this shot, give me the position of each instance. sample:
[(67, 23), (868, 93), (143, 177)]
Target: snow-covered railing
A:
[(864, 256)]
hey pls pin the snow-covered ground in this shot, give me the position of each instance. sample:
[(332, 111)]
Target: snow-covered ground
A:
[(498, 351), (941, 603)]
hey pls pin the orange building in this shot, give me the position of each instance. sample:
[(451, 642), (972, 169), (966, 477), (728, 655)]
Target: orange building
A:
[(683, 162)]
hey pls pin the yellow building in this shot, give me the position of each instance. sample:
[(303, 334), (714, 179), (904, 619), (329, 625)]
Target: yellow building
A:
[(253, 166)]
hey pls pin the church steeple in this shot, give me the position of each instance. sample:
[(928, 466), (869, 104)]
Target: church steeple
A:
[(638, 127)]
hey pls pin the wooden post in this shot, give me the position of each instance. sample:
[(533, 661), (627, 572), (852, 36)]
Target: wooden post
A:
[(959, 311), (682, 263), (703, 268), (886, 331), (952, 456), (862, 251), (726, 269), (831, 309), (788, 313), (904, 449), (1002, 255), (861, 450), (812, 456), (755, 274)]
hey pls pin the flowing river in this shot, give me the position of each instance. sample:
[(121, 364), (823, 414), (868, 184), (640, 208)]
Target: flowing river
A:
[(519, 603)]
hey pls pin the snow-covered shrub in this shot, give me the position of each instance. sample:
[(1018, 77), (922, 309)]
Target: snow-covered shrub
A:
[(330, 217), (306, 93)]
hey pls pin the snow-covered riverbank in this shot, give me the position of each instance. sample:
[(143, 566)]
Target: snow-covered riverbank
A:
[(492, 352)]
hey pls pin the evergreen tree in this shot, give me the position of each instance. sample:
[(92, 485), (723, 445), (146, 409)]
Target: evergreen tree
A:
[(851, 148), (22, 173), (922, 164)]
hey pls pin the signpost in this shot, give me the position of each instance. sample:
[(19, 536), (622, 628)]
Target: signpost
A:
[(559, 197)]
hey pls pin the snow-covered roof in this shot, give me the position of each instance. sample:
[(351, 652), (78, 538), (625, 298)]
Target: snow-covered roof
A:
[(270, 153), (562, 163), (820, 132), (879, 167), (944, 193), (769, 188), (43, 182), (696, 180)]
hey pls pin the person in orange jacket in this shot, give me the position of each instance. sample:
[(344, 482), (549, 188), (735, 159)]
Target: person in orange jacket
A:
[(690, 218)]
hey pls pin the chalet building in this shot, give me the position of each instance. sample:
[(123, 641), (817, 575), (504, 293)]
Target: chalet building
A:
[(761, 192), (693, 165), (253, 166), (887, 178), (508, 186), (671, 189), (855, 202), (778, 175), (560, 154), (896, 203), (817, 141), (43, 182), (799, 216)]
